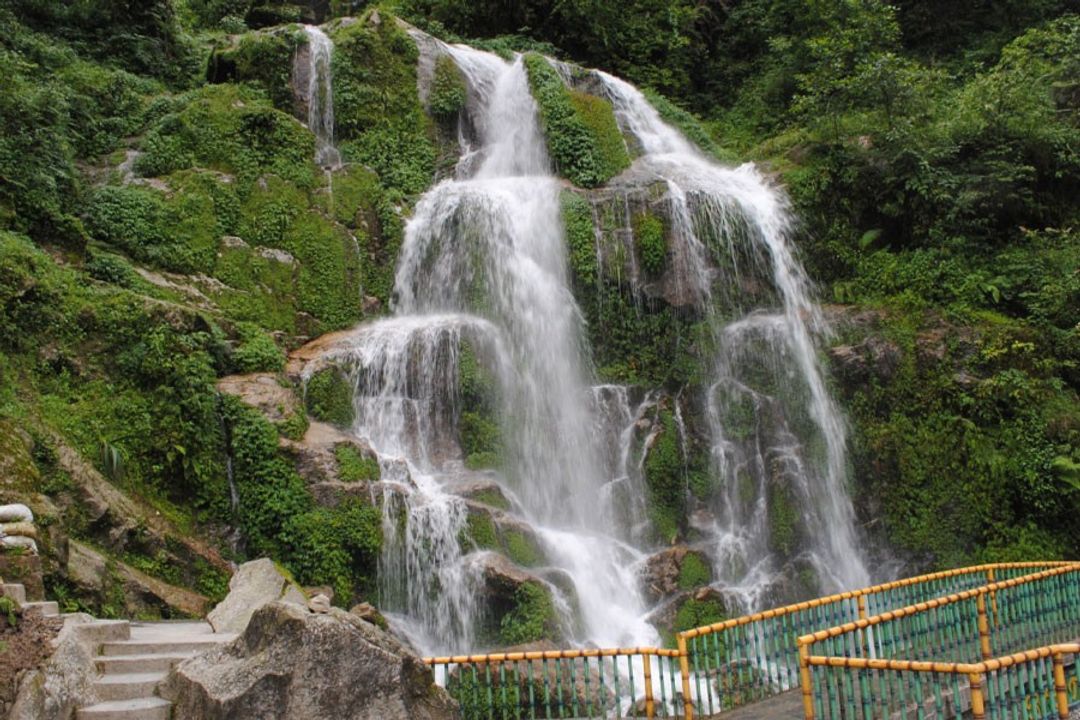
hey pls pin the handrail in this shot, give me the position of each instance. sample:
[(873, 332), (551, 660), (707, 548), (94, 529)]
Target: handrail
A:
[(988, 677), (752, 656)]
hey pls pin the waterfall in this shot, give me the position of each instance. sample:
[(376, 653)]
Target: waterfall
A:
[(320, 96), (484, 263), (765, 371)]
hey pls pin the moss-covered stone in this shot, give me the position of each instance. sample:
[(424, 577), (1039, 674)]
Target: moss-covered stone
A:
[(377, 112), (448, 90), (583, 137), (664, 476), (531, 618), (355, 467), (233, 129), (694, 572), (329, 397), (262, 57)]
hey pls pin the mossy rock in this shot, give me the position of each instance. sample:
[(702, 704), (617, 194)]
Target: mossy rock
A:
[(354, 466), (665, 478), (18, 473), (329, 397), (694, 572), (582, 135)]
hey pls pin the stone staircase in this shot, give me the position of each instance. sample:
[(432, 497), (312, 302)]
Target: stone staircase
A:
[(132, 659), (17, 593), (136, 659)]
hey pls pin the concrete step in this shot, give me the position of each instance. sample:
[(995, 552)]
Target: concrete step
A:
[(102, 631), (149, 708), (15, 591), (157, 647), (122, 664), (128, 686), (49, 608)]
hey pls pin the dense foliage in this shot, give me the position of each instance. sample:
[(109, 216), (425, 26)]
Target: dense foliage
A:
[(162, 225)]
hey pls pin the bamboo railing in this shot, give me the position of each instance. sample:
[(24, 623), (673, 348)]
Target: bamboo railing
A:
[(716, 667), (939, 658)]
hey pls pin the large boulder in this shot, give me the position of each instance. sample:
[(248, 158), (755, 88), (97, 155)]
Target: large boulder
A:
[(291, 664), (144, 595), (63, 682), (255, 584)]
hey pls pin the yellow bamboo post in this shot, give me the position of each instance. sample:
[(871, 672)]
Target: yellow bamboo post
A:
[(978, 702), (862, 607), (862, 616), (650, 707), (684, 669), (984, 627), (804, 681), (1060, 688)]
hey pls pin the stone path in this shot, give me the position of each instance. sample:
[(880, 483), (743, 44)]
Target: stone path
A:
[(136, 659), (132, 659)]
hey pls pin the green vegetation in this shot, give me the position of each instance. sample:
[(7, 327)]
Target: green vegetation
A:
[(583, 138), (651, 242), (335, 546), (666, 480), (448, 91), (377, 112), (354, 467), (531, 618), (329, 397), (694, 572), (9, 611), (698, 613)]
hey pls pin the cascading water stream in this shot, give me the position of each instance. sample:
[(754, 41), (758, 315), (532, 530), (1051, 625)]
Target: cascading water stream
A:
[(484, 262), (320, 96), (734, 215)]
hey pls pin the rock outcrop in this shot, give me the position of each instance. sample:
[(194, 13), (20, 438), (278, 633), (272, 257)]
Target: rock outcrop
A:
[(255, 584), (291, 664), (65, 681)]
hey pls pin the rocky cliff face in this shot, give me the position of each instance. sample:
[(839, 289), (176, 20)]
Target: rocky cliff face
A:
[(292, 664)]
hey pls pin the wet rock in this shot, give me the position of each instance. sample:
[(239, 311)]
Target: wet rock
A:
[(874, 357), (264, 392), (255, 584), (290, 664), (315, 456), (660, 574)]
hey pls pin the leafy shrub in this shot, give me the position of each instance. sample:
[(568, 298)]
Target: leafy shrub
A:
[(257, 351), (579, 130), (651, 242), (448, 91), (329, 397), (532, 617), (354, 467), (112, 269)]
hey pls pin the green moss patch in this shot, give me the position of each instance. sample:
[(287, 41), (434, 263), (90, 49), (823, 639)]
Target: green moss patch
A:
[(582, 135), (532, 617), (694, 572), (329, 397), (379, 120), (651, 242), (664, 475), (448, 90), (355, 467)]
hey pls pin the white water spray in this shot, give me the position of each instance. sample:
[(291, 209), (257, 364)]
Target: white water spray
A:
[(320, 96), (734, 214)]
